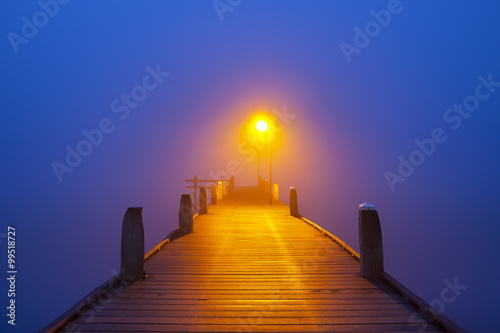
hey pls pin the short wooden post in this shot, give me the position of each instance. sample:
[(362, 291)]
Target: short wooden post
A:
[(294, 207), (195, 192), (276, 192), (224, 188), (370, 242), (231, 182), (219, 190), (203, 201), (132, 251), (186, 215), (213, 195)]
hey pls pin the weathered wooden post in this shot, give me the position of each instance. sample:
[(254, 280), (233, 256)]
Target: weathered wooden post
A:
[(203, 200), (186, 215), (276, 192), (294, 207), (213, 195), (370, 242), (132, 251), (195, 192), (231, 182), (224, 188), (219, 190)]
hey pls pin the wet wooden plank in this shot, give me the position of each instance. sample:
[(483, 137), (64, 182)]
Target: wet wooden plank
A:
[(244, 327)]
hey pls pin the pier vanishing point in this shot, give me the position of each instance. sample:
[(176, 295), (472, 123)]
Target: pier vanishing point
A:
[(243, 265)]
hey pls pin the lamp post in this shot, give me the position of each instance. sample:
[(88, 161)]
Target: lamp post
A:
[(263, 126), (258, 168)]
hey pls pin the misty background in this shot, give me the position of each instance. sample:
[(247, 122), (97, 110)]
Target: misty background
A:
[(349, 120)]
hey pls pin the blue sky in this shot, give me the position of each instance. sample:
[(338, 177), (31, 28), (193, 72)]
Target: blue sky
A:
[(351, 118)]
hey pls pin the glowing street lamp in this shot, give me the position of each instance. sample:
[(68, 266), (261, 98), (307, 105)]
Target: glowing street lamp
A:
[(263, 126)]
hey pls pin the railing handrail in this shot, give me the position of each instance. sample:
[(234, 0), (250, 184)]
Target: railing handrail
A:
[(93, 296), (334, 238), (207, 181)]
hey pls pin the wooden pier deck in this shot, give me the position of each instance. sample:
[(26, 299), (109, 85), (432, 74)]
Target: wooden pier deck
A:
[(251, 267)]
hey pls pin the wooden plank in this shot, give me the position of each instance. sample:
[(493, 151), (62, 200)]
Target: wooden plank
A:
[(262, 320), (242, 313), (256, 302), (113, 306), (245, 327)]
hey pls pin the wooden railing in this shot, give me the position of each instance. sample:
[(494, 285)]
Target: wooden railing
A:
[(196, 186)]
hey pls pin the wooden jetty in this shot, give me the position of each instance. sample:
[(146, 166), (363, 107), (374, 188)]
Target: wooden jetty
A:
[(248, 266)]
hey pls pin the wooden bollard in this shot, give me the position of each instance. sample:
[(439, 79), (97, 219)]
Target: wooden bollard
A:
[(224, 188), (370, 242), (276, 192), (294, 207), (231, 182), (219, 190), (203, 201), (213, 195), (186, 215), (132, 251)]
